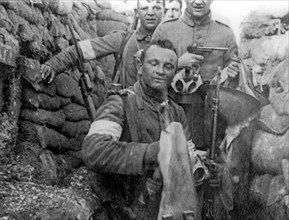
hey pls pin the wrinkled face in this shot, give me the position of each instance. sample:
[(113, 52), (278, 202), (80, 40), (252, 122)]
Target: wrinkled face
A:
[(198, 8), (158, 67), (173, 10), (150, 13)]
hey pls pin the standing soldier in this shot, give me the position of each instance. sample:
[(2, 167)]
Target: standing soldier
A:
[(123, 141), (150, 14), (197, 28)]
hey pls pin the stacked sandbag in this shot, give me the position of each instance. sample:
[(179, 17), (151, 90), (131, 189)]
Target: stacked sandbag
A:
[(264, 48), (264, 43), (43, 125)]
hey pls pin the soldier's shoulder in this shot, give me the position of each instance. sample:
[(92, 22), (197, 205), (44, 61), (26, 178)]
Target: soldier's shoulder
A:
[(120, 92), (169, 21), (219, 23)]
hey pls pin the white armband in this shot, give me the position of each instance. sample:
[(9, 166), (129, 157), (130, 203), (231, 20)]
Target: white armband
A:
[(87, 50), (106, 127)]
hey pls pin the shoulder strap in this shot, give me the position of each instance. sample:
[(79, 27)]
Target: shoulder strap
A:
[(135, 117), (118, 55), (131, 116)]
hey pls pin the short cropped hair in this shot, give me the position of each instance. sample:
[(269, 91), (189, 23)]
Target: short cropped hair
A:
[(179, 1), (158, 1), (166, 44)]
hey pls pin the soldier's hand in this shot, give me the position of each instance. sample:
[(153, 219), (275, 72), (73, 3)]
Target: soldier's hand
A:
[(233, 69), (187, 59), (216, 175), (47, 73)]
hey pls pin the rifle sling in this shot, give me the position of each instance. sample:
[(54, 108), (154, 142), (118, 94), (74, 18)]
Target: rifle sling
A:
[(118, 55)]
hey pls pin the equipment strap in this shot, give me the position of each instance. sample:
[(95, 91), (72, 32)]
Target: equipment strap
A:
[(118, 56)]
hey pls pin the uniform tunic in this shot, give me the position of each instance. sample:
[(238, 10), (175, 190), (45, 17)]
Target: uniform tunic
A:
[(109, 150), (99, 47), (184, 32)]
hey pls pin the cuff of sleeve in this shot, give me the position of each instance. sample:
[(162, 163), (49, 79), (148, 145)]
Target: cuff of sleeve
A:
[(55, 66), (151, 156), (136, 158)]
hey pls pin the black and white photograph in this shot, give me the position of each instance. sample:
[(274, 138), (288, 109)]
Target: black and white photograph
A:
[(144, 110)]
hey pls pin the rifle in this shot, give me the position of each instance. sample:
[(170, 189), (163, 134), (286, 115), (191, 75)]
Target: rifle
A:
[(211, 164), (84, 80), (203, 50)]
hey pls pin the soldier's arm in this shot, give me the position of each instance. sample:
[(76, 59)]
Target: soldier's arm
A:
[(230, 61), (90, 49), (102, 151), (233, 49), (159, 34)]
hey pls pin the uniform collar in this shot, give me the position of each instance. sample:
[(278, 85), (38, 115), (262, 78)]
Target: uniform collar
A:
[(187, 18), (150, 93), (141, 35)]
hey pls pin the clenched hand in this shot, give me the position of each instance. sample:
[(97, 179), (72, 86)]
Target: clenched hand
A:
[(233, 69), (47, 73), (187, 59)]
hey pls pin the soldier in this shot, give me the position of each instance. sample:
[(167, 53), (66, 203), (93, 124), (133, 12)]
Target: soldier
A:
[(197, 28), (123, 141), (150, 14), (173, 9)]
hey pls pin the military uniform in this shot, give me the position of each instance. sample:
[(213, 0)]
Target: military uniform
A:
[(184, 32), (110, 148), (100, 47)]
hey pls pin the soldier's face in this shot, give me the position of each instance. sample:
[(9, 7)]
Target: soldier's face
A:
[(198, 8), (158, 68), (150, 13), (173, 10)]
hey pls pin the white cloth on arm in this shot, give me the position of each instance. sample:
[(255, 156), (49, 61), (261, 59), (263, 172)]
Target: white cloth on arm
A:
[(87, 50), (106, 127)]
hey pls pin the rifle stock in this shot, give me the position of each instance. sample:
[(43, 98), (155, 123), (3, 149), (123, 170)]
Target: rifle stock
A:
[(84, 81)]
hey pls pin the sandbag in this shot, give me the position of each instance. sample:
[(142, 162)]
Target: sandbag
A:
[(15, 18), (60, 44), (36, 100), (67, 87), (60, 7), (271, 122), (266, 49), (262, 22), (91, 6), (179, 194), (103, 4), (279, 88), (4, 20), (74, 112), (80, 10), (75, 129), (105, 27), (30, 70), (110, 15), (33, 15), (9, 39), (268, 150), (46, 137), (42, 117), (82, 34)]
